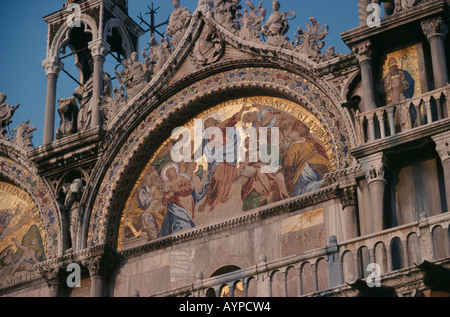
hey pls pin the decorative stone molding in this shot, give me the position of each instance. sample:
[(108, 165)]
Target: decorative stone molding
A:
[(375, 167), (434, 27), (363, 51)]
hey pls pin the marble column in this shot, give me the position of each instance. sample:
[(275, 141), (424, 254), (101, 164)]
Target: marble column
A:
[(442, 142), (364, 54), (97, 272), (51, 276), (99, 50), (436, 30), (348, 197), (52, 68), (375, 168)]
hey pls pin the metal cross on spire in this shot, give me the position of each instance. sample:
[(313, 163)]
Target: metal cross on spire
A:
[(152, 27)]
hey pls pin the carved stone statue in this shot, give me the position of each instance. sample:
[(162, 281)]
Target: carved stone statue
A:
[(24, 134), (277, 26), (83, 95), (68, 113), (6, 113), (178, 22), (71, 208), (135, 75)]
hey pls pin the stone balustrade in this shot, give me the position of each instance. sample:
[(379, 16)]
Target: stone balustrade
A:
[(325, 271), (396, 119)]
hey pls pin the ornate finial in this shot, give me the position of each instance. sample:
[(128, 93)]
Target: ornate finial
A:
[(6, 113), (23, 134)]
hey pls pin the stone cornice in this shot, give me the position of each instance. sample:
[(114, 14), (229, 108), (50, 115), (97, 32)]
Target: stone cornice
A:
[(419, 12)]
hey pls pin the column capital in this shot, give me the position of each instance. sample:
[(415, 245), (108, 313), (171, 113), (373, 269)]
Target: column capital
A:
[(348, 196), (99, 48), (52, 65), (442, 142), (434, 27), (101, 264), (363, 51), (51, 275), (375, 167)]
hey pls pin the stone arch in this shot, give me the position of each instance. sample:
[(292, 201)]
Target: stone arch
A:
[(349, 267), (380, 256), (322, 274), (117, 24), (413, 249), (18, 171), (277, 283), (292, 281), (129, 149), (62, 35), (439, 245)]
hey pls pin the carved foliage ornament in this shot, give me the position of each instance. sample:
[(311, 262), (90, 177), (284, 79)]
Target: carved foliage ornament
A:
[(434, 27)]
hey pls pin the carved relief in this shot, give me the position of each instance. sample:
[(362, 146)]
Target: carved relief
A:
[(134, 76), (209, 48)]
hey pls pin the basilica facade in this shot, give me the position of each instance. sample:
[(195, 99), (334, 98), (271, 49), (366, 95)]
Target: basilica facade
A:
[(226, 160)]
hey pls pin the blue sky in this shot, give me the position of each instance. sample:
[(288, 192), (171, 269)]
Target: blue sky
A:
[(23, 34)]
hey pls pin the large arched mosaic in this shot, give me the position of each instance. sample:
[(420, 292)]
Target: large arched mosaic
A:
[(22, 236), (307, 95), (29, 224), (277, 150), (37, 200)]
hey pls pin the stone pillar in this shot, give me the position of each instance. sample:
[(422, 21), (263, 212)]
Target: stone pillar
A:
[(99, 50), (375, 169), (97, 272), (442, 142), (51, 276), (263, 278), (52, 68), (349, 201), (333, 262), (364, 54), (436, 30)]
